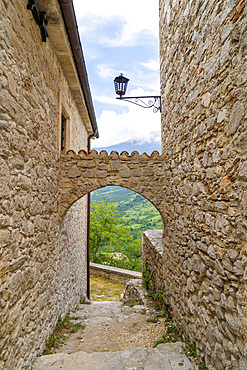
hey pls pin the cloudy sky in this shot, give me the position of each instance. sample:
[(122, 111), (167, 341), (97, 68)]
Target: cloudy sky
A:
[(121, 37)]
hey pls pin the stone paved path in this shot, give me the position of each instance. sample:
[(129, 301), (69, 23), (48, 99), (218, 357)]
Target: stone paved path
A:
[(115, 337)]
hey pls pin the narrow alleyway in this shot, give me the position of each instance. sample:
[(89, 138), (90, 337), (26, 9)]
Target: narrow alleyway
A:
[(115, 336)]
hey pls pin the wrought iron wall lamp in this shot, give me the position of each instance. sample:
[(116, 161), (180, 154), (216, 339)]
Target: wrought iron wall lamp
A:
[(40, 18), (121, 83)]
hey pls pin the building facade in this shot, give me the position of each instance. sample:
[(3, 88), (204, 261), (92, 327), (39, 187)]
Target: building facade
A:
[(203, 54), (45, 108)]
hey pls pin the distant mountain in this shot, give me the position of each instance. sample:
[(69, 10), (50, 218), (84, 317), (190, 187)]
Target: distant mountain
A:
[(132, 145)]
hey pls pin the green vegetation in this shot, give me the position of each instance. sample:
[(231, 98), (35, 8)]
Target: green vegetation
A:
[(138, 212), (52, 341), (171, 335), (190, 350), (130, 303), (154, 320), (60, 334), (202, 366), (109, 235), (107, 229), (118, 218), (162, 314)]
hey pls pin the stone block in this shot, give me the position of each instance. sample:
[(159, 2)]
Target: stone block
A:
[(234, 323), (74, 172), (89, 174), (86, 164), (235, 119), (206, 99), (101, 174), (125, 174), (4, 179), (241, 147), (4, 237), (221, 115), (17, 264), (238, 267)]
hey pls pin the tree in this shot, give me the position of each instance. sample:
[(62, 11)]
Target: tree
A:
[(107, 230), (133, 250)]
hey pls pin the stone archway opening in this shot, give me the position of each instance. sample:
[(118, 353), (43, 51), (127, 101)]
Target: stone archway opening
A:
[(136, 214), (82, 173)]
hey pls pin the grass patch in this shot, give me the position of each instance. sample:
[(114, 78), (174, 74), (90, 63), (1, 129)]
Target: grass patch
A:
[(202, 366), (61, 332), (171, 335), (103, 289), (162, 314), (190, 350), (154, 320), (131, 303)]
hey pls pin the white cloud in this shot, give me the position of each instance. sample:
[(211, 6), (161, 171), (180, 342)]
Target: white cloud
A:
[(133, 123), (135, 18), (151, 64), (109, 101), (105, 71), (104, 27)]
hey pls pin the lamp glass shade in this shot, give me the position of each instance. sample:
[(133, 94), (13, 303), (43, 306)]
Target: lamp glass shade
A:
[(120, 84)]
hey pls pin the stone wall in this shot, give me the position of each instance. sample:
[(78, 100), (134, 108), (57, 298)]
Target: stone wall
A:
[(203, 86), (35, 269), (84, 172), (71, 264), (152, 261)]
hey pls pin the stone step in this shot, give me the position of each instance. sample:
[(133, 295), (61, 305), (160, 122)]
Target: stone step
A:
[(168, 356)]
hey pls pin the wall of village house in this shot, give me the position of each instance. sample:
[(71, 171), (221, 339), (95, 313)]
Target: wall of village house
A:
[(204, 85), (37, 273)]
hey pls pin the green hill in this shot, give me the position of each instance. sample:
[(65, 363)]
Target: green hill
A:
[(139, 213)]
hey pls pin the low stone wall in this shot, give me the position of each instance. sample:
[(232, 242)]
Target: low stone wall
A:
[(152, 259), (113, 273), (137, 294)]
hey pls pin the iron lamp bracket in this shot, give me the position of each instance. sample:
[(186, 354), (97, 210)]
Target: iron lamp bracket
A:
[(144, 101)]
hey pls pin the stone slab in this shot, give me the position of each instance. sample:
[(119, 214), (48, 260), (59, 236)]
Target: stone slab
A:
[(165, 356)]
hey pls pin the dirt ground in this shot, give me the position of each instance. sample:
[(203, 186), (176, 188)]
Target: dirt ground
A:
[(102, 289), (107, 325), (110, 326)]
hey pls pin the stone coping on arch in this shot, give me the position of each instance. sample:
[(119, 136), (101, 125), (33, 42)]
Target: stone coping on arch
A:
[(124, 155)]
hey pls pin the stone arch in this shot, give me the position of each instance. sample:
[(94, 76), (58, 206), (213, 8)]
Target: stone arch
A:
[(85, 172)]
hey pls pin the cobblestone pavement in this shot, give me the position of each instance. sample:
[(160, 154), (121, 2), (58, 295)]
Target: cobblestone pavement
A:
[(115, 337)]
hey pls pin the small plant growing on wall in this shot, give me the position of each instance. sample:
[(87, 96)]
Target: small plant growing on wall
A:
[(63, 328), (149, 284)]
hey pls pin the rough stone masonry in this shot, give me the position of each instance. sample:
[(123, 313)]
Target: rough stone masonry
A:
[(203, 51), (84, 172), (42, 260)]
